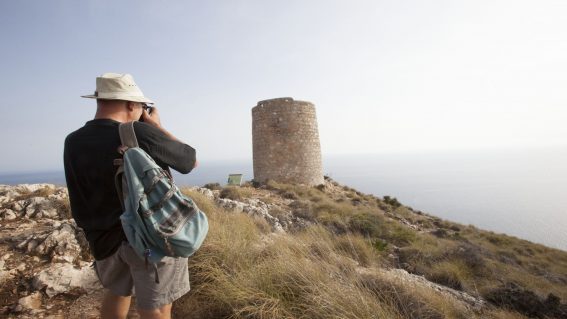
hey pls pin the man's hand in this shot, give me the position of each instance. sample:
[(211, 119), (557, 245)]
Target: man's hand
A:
[(152, 118)]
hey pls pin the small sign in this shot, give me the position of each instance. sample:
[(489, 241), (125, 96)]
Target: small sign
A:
[(235, 179)]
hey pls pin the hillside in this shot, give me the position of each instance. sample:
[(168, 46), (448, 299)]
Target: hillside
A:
[(290, 251)]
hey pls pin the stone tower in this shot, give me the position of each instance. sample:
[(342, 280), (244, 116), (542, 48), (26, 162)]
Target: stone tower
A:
[(285, 142)]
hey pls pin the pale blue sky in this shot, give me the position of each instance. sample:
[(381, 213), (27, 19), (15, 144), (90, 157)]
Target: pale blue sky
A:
[(386, 76)]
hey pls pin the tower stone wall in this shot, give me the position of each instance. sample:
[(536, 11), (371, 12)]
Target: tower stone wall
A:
[(286, 144)]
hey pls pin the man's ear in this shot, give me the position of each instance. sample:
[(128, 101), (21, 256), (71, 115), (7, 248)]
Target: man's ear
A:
[(130, 105)]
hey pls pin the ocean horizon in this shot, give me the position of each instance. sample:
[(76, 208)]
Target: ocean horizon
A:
[(521, 193)]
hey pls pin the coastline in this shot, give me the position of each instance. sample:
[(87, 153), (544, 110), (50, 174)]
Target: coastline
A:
[(520, 193)]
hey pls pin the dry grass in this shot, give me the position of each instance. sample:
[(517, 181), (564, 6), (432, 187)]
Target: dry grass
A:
[(41, 192), (451, 274), (236, 192), (357, 248), (63, 207), (244, 271), (504, 314)]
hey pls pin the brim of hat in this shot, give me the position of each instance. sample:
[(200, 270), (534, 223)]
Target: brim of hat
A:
[(141, 99)]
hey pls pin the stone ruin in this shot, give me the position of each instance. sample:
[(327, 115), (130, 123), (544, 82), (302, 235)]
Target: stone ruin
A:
[(286, 144)]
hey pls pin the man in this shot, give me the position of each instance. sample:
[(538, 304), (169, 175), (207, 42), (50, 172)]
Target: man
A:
[(89, 170)]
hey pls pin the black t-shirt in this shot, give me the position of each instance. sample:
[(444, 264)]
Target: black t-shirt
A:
[(89, 170)]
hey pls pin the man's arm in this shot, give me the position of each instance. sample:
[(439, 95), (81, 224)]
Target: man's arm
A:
[(168, 156), (154, 119)]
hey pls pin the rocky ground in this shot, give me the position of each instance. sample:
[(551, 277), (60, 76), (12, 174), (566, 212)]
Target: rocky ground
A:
[(46, 270), (44, 261), (283, 220)]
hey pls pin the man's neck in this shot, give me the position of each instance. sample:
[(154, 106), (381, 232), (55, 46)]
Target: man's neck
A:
[(113, 110), (119, 117)]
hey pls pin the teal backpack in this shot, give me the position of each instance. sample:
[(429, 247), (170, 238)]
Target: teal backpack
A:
[(158, 219)]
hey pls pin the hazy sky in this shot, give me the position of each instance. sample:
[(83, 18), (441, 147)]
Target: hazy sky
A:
[(386, 76)]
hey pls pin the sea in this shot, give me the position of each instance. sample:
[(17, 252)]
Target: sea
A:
[(519, 192)]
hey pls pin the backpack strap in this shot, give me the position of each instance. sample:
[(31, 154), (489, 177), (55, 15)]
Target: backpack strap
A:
[(118, 185), (127, 134), (128, 139)]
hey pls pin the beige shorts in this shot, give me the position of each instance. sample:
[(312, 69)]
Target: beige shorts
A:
[(125, 273)]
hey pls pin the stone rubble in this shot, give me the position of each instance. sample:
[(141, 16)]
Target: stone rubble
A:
[(40, 254), (207, 192), (8, 214), (4, 274), (284, 221), (61, 278), (60, 245), (252, 207), (32, 301), (411, 279)]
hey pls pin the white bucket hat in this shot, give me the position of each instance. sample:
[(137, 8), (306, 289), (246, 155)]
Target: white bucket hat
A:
[(114, 86)]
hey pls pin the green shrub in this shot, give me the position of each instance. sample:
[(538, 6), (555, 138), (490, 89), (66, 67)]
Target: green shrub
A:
[(513, 296), (334, 223), (289, 195), (496, 239), (400, 235), (366, 224), (379, 244), (316, 198), (231, 192), (356, 248), (303, 209), (333, 207), (392, 201), (470, 256), (213, 186), (446, 278)]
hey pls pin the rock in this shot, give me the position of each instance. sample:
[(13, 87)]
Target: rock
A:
[(30, 302), (60, 245), (61, 278), (50, 213), (205, 191), (230, 204), (255, 207), (5, 274), (9, 214), (4, 200), (35, 206), (467, 300), (18, 308), (2, 272), (36, 312), (29, 212), (21, 267), (19, 205), (31, 245), (262, 212), (252, 207)]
